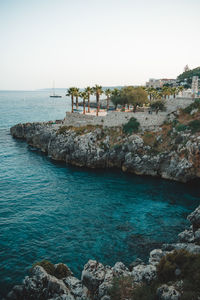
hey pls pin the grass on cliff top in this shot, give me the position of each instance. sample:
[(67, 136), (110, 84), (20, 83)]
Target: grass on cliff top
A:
[(176, 266), (79, 130)]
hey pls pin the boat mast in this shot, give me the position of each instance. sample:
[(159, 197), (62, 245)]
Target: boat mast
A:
[(53, 87)]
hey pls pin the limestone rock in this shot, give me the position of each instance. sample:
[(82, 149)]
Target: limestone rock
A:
[(41, 285), (197, 236), (190, 247), (77, 289), (93, 275), (135, 263), (187, 236), (145, 273), (194, 218), (155, 256), (165, 292)]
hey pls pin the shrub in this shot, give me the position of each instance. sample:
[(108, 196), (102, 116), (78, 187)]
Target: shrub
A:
[(194, 105), (62, 129), (62, 271), (132, 126), (189, 266), (123, 288), (174, 122), (157, 105), (181, 127), (169, 263), (194, 126), (48, 266)]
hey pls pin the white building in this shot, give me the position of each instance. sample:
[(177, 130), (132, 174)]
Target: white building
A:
[(186, 93), (155, 83), (158, 83), (195, 85)]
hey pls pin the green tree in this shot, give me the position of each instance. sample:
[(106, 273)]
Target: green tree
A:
[(115, 97), (71, 92), (135, 96), (174, 91), (97, 89), (151, 92), (166, 91), (157, 105)]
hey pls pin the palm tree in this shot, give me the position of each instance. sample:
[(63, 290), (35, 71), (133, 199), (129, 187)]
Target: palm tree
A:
[(174, 91), (77, 94), (151, 92), (84, 96), (108, 94), (71, 92), (180, 89), (89, 92), (165, 91), (115, 97), (98, 91)]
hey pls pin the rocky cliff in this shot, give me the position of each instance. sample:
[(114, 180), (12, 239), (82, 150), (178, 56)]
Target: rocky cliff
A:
[(164, 277), (165, 152)]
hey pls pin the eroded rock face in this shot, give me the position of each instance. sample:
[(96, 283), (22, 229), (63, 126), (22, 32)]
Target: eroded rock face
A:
[(194, 218), (190, 247), (41, 285), (187, 236), (144, 273), (77, 289), (155, 256), (99, 278), (166, 292), (96, 148), (93, 275)]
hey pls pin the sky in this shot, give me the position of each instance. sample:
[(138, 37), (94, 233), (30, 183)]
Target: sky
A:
[(87, 42)]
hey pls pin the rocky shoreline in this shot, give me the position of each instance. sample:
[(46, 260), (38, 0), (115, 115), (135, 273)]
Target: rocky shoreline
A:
[(164, 152), (97, 280)]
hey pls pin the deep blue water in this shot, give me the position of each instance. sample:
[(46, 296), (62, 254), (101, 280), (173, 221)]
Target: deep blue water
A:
[(67, 214)]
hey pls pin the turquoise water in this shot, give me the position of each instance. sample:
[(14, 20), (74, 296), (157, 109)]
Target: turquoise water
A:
[(67, 214)]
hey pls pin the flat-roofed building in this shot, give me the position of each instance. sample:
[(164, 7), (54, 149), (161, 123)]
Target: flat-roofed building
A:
[(158, 83), (155, 83)]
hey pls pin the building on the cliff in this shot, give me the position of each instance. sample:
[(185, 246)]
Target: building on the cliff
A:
[(159, 83), (195, 86), (186, 93), (186, 68)]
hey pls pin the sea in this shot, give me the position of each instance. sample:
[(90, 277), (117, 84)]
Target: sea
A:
[(61, 213)]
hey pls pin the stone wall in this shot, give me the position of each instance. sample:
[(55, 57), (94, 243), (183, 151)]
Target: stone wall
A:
[(147, 121)]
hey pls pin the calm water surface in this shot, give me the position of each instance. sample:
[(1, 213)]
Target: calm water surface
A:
[(67, 214)]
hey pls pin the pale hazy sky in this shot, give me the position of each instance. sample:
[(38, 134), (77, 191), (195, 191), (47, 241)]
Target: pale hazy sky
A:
[(84, 42)]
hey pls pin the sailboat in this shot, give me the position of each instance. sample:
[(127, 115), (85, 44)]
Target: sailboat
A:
[(53, 93)]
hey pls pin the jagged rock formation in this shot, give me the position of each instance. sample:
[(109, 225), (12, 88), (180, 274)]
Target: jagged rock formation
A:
[(97, 279), (170, 155)]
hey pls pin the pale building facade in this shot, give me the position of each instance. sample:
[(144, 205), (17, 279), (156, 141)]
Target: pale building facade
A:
[(195, 85), (158, 83)]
